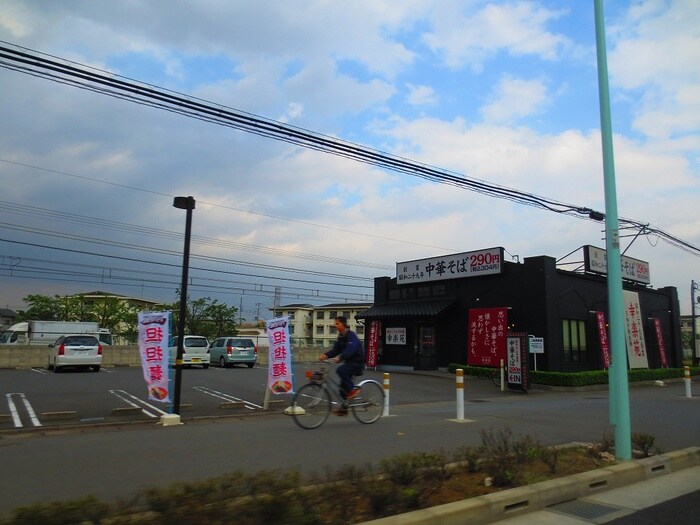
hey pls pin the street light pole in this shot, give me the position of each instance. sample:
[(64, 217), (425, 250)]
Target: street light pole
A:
[(183, 203), (693, 340), (619, 386)]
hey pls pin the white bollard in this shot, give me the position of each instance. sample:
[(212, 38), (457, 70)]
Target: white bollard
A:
[(686, 378), (503, 379), (386, 395), (460, 394)]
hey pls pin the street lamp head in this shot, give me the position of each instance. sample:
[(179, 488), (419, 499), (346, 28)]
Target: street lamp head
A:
[(184, 203)]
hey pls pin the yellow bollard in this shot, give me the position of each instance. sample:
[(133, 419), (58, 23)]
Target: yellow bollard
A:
[(459, 384), (386, 394)]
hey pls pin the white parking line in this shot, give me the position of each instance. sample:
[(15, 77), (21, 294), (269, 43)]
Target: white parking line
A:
[(16, 419), (132, 400), (226, 397), (40, 370)]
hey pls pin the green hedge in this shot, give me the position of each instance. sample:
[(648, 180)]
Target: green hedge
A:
[(570, 379)]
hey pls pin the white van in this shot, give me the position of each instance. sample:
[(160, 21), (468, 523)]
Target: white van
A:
[(195, 351)]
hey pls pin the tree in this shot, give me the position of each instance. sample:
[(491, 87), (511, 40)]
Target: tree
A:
[(41, 308), (205, 317), (221, 319)]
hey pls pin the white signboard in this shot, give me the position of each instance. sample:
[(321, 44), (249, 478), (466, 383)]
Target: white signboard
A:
[(632, 269), (634, 331), (467, 264), (396, 336), (514, 367), (536, 345)]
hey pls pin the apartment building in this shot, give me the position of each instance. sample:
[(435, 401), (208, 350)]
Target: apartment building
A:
[(316, 324)]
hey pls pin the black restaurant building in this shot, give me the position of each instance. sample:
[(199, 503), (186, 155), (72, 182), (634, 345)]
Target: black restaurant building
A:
[(459, 308)]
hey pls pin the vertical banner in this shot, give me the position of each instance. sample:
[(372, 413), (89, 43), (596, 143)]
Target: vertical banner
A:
[(517, 376), (154, 336), (279, 372), (487, 336), (660, 341), (603, 338), (634, 331), (373, 343)]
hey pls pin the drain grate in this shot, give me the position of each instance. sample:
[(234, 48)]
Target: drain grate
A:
[(584, 509)]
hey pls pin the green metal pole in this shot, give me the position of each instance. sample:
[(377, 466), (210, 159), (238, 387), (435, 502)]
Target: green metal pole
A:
[(619, 387)]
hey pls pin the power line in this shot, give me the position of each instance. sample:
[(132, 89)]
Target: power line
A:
[(63, 216), (54, 68)]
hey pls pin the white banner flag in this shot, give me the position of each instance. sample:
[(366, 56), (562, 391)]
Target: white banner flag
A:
[(279, 374), (634, 331), (154, 335)]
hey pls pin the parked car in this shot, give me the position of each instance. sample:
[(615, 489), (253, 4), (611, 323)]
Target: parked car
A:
[(228, 351), (195, 350), (78, 350)]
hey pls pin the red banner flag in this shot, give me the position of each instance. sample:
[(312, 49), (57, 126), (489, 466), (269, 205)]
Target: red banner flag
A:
[(373, 343), (603, 338), (660, 339)]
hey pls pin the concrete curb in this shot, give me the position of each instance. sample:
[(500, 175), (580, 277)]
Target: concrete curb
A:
[(522, 500)]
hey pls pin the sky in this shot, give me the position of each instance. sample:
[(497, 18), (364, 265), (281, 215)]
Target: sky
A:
[(500, 91)]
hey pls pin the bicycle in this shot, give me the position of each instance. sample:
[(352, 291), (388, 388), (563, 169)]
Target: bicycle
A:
[(312, 403)]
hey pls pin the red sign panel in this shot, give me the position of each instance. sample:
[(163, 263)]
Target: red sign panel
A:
[(603, 338), (660, 339), (487, 336), (373, 343)]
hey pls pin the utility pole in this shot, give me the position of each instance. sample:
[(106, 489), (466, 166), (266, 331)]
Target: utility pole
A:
[(619, 382)]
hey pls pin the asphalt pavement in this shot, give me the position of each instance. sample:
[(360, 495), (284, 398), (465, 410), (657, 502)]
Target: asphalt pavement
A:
[(115, 460)]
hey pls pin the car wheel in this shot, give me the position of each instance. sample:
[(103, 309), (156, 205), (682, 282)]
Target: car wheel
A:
[(96, 368), (56, 369), (222, 362), (251, 365)]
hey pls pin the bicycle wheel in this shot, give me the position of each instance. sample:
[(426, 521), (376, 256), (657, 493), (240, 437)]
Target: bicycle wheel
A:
[(311, 406), (368, 406), (496, 377)]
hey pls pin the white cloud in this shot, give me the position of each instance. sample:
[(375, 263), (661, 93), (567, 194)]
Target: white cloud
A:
[(421, 95), (656, 52), (470, 36), (514, 98)]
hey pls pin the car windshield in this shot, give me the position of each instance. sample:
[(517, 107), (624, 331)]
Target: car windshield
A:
[(243, 343), (195, 342), (80, 340)]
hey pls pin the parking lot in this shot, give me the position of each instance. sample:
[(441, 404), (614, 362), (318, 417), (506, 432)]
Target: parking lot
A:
[(40, 398)]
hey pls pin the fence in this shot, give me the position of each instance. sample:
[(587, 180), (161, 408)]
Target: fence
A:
[(17, 356)]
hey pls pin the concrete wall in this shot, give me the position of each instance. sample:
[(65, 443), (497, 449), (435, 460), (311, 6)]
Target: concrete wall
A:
[(38, 356)]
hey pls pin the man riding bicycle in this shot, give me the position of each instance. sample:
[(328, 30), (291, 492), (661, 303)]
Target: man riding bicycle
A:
[(348, 349)]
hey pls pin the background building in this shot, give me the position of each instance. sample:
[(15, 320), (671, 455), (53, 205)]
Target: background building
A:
[(315, 325)]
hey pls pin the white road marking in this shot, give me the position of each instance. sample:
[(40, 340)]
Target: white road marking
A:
[(16, 419), (226, 397), (132, 400), (39, 370)]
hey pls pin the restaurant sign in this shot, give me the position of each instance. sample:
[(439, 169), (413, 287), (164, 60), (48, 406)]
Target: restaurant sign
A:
[(632, 269), (467, 264)]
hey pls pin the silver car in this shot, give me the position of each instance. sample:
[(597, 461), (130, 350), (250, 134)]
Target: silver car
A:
[(228, 351), (78, 350)]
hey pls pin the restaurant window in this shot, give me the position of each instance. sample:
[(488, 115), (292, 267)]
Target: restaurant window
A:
[(574, 339), (424, 291)]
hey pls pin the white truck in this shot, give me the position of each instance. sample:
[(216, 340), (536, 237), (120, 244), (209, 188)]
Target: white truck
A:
[(46, 332)]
